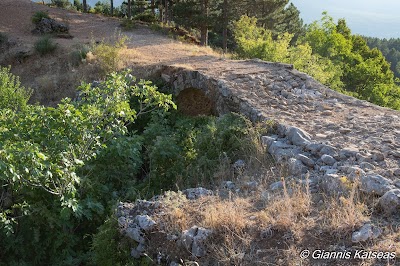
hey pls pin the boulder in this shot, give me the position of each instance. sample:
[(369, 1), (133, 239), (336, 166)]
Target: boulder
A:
[(390, 201), (366, 232), (194, 240), (196, 193), (49, 25), (298, 136), (376, 184)]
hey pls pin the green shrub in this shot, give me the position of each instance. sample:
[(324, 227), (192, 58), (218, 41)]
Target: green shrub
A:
[(79, 55), (39, 15), (146, 17), (128, 24), (52, 174), (61, 3), (187, 151), (3, 38), (12, 94), (108, 54), (45, 45)]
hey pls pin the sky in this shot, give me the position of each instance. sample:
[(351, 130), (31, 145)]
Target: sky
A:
[(374, 18), (366, 17)]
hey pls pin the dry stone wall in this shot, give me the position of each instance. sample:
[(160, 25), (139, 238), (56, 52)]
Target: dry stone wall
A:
[(321, 133)]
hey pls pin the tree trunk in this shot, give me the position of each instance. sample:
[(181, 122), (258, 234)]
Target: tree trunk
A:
[(204, 35), (84, 6), (204, 26), (166, 11), (225, 26), (129, 9), (112, 8), (153, 11)]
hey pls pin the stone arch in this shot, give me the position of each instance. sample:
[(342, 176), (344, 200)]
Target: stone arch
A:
[(194, 102)]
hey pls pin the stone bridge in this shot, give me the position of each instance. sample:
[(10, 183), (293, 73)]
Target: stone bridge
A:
[(320, 132)]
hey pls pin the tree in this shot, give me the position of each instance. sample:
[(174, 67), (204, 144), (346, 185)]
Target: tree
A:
[(129, 9), (85, 9), (112, 7)]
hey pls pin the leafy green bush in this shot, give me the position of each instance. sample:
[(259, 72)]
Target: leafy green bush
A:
[(51, 173), (79, 55), (39, 15), (13, 95), (61, 3), (45, 45), (187, 151), (146, 17), (108, 54), (128, 24)]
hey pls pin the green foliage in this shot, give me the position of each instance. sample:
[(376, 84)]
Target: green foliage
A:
[(79, 55), (109, 247), (390, 48), (364, 72), (146, 17), (61, 3), (184, 152), (3, 38), (45, 45), (38, 16), (256, 42), (128, 24), (108, 54), (12, 94), (57, 188)]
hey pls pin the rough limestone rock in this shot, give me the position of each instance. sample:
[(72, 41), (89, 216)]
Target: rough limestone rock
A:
[(298, 136), (390, 201), (296, 167), (49, 25), (328, 160), (376, 184), (305, 160), (135, 232), (366, 232), (194, 240), (145, 222), (195, 193)]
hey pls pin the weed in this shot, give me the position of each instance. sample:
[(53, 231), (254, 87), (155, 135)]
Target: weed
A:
[(45, 45), (79, 55), (38, 16), (108, 54), (146, 17), (128, 24)]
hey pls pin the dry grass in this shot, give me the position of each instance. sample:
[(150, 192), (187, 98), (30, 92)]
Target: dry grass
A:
[(342, 215), (286, 211)]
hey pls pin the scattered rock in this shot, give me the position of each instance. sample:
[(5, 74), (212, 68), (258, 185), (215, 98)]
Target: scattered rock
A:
[(276, 185), (305, 160), (195, 193), (296, 167), (366, 232), (376, 184), (328, 160), (298, 136), (367, 166), (145, 222), (229, 185), (49, 25), (194, 240), (390, 201), (135, 232)]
